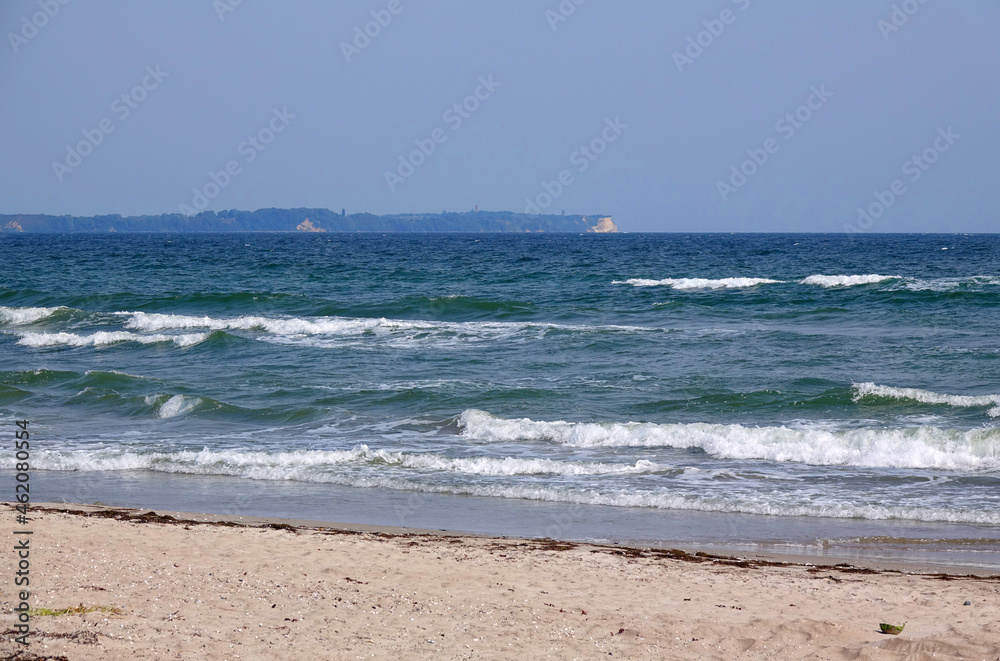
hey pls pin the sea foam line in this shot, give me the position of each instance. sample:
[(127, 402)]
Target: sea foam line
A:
[(295, 464), (913, 447)]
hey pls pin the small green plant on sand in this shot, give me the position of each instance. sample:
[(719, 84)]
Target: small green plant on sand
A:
[(75, 610)]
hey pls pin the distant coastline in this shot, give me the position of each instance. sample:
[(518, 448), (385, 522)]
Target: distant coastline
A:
[(310, 220)]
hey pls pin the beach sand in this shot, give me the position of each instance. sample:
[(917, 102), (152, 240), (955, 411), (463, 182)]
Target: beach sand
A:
[(165, 589)]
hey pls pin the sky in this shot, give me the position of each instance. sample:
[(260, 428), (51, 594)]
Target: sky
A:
[(722, 115)]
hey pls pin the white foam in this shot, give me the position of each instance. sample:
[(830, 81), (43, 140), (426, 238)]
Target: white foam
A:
[(483, 465), (698, 283), (970, 283), (174, 406), (20, 316), (104, 338), (911, 284), (293, 465), (341, 467), (118, 372), (331, 332), (869, 389), (205, 462), (847, 280), (766, 504), (293, 326), (913, 447)]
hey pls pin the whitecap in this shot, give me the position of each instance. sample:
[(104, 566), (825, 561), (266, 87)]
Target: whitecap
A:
[(698, 283), (909, 447), (104, 338), (869, 389), (847, 280), (21, 316)]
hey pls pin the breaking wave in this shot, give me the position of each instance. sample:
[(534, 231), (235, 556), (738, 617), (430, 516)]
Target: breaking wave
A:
[(698, 283), (847, 280), (302, 464), (334, 331), (911, 447), (104, 338), (333, 467), (863, 390), (171, 406), (21, 316)]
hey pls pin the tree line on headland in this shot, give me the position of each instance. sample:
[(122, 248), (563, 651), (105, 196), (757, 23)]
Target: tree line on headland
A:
[(309, 220)]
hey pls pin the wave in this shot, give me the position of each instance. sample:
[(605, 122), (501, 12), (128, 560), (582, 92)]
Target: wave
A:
[(171, 406), (37, 377), (698, 283), (334, 467), (862, 390), (395, 331), (513, 465), (765, 504), (23, 316), (301, 463), (10, 394), (121, 401), (913, 447), (970, 284), (141, 406), (145, 321), (847, 280), (112, 377), (104, 338)]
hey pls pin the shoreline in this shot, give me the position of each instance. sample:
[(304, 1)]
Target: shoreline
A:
[(680, 551), (862, 542), (112, 582)]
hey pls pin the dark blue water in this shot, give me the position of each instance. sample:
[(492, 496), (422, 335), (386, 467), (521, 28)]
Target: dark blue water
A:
[(827, 376)]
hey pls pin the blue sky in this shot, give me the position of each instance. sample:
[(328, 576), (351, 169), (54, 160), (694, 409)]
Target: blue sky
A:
[(727, 115)]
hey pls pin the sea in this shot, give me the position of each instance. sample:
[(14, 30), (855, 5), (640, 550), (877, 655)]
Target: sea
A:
[(825, 395)]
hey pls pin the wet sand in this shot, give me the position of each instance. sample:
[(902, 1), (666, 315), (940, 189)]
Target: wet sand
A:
[(196, 586)]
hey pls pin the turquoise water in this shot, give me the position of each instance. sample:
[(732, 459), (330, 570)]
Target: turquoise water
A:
[(840, 378)]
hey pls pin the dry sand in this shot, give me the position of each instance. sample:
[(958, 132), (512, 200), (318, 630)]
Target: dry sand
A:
[(204, 591)]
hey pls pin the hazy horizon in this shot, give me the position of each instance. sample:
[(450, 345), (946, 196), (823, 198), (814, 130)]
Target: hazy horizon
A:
[(728, 116)]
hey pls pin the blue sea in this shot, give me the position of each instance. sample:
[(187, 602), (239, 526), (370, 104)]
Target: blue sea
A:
[(828, 394)]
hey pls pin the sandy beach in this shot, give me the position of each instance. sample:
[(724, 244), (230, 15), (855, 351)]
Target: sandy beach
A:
[(144, 586)]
